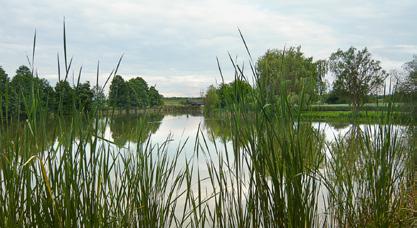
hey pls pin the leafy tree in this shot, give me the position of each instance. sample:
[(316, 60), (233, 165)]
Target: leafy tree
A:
[(138, 92), (224, 93), (357, 74), (155, 99), (322, 69), (335, 97), (234, 93), (4, 91), (84, 97), (408, 86), (211, 100), (46, 94), (99, 98), (119, 93), (65, 97), (30, 93), (288, 69), (22, 89)]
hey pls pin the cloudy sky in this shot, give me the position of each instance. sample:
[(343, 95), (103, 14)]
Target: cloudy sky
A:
[(173, 44)]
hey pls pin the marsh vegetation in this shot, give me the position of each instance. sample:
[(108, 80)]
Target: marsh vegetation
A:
[(258, 164)]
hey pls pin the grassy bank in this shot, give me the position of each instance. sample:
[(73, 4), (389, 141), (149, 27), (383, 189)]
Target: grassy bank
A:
[(180, 101), (361, 117), (365, 107)]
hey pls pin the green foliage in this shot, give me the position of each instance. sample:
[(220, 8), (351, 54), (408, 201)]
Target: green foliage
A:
[(335, 97), (357, 75), (84, 97), (322, 69), (239, 91), (65, 97), (407, 89), (290, 70), (4, 92), (138, 92), (99, 98), (22, 87), (155, 99), (236, 92), (211, 100), (224, 94), (133, 94), (119, 93)]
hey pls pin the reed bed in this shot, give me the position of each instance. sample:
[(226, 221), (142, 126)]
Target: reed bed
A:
[(272, 173)]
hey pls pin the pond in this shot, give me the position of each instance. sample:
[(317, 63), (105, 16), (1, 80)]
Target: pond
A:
[(197, 159)]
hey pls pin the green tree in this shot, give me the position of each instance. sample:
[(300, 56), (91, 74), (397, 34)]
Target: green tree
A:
[(30, 93), (155, 99), (357, 74), (322, 69), (224, 93), (99, 98), (211, 100), (119, 93), (227, 94), (46, 94), (84, 97), (408, 87), (240, 91), (4, 92), (288, 69), (65, 97), (22, 89), (138, 92)]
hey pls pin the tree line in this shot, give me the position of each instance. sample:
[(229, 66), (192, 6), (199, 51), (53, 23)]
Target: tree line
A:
[(133, 94), (289, 72), (26, 93)]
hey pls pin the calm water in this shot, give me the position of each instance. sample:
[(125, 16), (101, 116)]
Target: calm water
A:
[(126, 132), (201, 139), (180, 128)]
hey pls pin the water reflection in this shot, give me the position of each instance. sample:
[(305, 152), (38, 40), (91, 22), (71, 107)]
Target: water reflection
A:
[(134, 128), (137, 128)]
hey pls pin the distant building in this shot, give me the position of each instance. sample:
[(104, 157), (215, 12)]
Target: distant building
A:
[(194, 103)]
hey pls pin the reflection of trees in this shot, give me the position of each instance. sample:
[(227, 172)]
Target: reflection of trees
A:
[(134, 128), (338, 125), (218, 128), (242, 132), (27, 138), (226, 129)]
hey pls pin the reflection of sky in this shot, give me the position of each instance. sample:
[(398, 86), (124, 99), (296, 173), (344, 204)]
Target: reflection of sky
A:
[(180, 128), (331, 133)]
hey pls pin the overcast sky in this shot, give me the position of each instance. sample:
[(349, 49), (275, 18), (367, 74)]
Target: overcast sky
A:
[(173, 44)]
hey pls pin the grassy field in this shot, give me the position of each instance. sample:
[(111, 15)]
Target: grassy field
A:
[(180, 101), (362, 117), (347, 107)]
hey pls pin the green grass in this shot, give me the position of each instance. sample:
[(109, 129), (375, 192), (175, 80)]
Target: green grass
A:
[(179, 101), (363, 116)]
